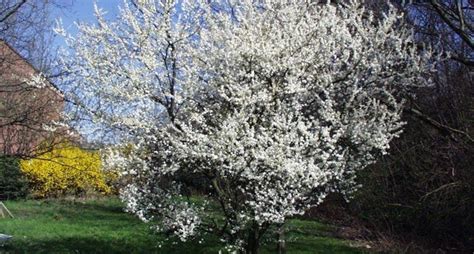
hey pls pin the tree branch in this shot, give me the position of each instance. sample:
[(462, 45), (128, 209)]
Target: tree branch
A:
[(442, 127), (13, 10), (444, 16)]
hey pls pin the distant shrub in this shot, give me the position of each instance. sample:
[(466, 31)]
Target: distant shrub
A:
[(66, 170), (12, 182)]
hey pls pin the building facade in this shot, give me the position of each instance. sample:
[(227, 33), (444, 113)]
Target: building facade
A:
[(28, 105)]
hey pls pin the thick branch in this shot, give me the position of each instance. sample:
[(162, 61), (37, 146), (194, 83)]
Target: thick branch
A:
[(442, 127), (444, 16), (13, 10)]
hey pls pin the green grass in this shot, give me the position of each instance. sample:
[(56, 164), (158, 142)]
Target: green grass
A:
[(100, 226)]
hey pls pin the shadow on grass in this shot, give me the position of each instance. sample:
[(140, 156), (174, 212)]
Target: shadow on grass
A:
[(91, 245), (320, 245), (75, 245)]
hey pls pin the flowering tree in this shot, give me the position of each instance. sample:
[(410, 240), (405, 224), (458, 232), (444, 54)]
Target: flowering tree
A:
[(264, 108)]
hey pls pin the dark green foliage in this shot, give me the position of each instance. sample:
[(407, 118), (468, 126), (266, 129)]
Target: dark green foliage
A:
[(12, 182)]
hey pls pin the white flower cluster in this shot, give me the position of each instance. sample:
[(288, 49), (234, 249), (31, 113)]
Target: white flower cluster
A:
[(177, 216), (265, 106)]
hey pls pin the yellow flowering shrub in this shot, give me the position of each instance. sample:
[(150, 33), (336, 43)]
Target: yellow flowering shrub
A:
[(66, 170)]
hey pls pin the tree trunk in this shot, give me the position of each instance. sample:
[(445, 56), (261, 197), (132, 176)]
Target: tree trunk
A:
[(253, 241), (281, 245)]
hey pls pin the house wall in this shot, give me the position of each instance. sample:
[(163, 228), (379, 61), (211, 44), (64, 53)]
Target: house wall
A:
[(24, 109)]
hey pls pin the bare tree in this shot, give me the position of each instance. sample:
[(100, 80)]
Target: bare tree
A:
[(26, 26), (448, 22), (26, 38), (425, 185)]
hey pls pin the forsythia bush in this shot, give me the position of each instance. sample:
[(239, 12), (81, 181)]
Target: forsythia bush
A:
[(66, 170)]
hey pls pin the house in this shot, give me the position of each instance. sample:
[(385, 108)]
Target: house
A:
[(25, 109)]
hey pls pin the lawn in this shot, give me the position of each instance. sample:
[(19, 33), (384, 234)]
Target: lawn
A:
[(101, 226)]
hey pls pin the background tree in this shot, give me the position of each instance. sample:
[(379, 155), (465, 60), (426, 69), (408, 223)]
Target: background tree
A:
[(12, 182), (28, 102), (448, 22), (272, 105), (422, 190), (26, 25), (28, 99)]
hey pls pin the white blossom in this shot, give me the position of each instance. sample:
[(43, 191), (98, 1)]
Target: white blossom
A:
[(268, 107)]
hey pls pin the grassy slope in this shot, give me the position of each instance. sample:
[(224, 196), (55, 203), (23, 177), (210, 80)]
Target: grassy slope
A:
[(100, 226)]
